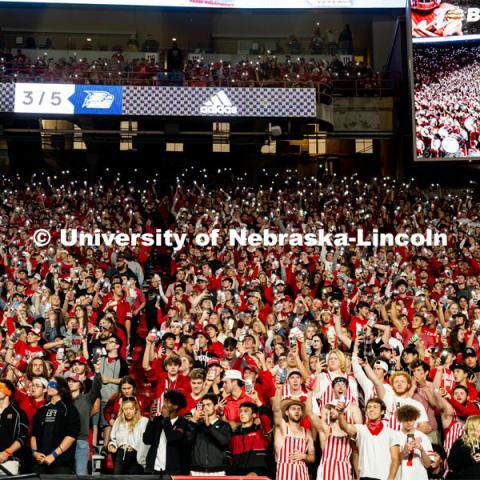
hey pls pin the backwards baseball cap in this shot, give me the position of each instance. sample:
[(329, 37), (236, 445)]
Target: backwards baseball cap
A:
[(340, 380), (35, 331), (233, 375), (294, 371), (470, 352), (460, 366), (381, 364), (72, 376)]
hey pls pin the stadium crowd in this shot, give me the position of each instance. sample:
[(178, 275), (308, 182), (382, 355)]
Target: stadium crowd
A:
[(447, 107), (266, 70), (340, 363)]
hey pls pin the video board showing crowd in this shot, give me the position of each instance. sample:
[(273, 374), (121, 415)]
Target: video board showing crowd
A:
[(446, 69), (257, 4)]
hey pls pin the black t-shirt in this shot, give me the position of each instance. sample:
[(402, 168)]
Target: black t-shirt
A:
[(54, 422)]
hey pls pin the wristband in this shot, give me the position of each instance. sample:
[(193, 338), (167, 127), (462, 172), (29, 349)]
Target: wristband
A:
[(54, 454), (8, 452)]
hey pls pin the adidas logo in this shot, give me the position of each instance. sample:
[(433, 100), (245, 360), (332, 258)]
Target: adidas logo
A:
[(219, 104)]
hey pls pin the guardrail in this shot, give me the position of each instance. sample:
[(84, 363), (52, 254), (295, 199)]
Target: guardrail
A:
[(378, 85)]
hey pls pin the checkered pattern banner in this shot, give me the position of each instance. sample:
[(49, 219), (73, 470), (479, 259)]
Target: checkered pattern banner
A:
[(7, 97), (220, 102)]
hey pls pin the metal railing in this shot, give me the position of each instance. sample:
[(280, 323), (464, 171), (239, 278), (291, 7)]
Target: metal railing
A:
[(380, 85)]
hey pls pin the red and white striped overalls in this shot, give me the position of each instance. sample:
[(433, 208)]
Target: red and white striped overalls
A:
[(453, 432), (288, 469), (329, 395), (335, 461)]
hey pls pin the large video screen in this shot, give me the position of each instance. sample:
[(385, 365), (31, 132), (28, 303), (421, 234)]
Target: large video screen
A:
[(447, 100), (451, 20), (266, 4)]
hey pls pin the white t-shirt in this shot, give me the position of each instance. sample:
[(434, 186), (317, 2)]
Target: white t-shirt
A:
[(374, 451), (393, 403), (415, 471), (161, 458)]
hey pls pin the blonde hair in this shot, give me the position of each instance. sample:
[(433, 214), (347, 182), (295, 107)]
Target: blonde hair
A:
[(136, 418), (341, 358), (471, 438)]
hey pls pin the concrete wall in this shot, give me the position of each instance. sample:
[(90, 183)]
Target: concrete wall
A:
[(108, 25), (363, 114)]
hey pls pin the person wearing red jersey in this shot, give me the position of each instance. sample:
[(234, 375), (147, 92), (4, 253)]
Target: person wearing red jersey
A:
[(116, 302), (462, 373), (453, 425), (250, 440), (198, 389), (233, 383), (169, 378), (434, 18)]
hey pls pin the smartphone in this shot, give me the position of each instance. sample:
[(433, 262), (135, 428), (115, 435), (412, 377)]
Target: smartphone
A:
[(293, 341), (248, 387), (283, 375), (97, 353), (444, 357)]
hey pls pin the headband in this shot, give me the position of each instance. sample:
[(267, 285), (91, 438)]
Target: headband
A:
[(5, 390)]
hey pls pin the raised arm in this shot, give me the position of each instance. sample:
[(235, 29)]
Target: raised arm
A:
[(394, 316), (349, 429), (379, 386), (276, 407), (317, 422), (347, 341)]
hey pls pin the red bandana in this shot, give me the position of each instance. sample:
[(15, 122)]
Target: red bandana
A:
[(375, 427)]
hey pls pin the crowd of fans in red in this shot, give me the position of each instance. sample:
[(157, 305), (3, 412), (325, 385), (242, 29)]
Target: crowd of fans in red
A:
[(447, 108), (139, 332), (265, 71)]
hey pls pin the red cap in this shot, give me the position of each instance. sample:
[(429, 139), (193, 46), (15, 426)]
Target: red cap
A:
[(213, 361), (201, 332), (81, 360)]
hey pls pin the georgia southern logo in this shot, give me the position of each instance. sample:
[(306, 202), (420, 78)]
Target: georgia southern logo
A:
[(219, 104), (98, 99)]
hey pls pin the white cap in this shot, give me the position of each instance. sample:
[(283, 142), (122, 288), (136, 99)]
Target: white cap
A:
[(382, 364), (233, 375)]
